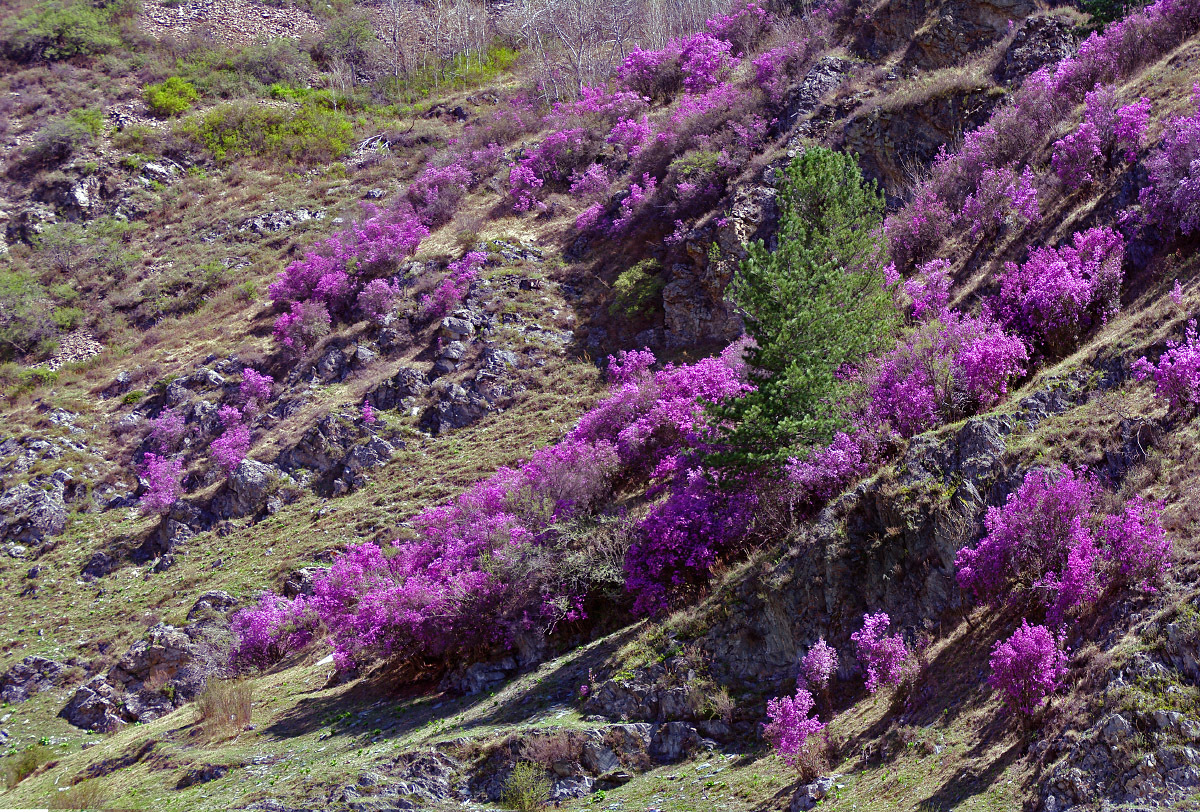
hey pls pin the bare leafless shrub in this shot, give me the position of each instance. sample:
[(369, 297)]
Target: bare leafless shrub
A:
[(224, 707)]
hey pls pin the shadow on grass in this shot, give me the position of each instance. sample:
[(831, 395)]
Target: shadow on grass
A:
[(376, 707)]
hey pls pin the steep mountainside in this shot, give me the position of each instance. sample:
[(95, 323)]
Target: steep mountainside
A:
[(452, 406)]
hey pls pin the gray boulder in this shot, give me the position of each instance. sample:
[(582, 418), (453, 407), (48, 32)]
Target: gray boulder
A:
[(674, 740), (31, 676), (96, 706), (30, 515), (246, 492), (212, 603)]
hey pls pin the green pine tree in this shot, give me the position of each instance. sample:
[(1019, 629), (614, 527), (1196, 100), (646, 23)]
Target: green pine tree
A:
[(815, 304)]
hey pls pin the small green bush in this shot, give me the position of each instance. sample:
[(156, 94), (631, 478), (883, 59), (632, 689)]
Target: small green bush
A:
[(25, 315), (171, 97), (133, 397), (526, 789), (58, 140), (311, 134), (55, 31), (19, 767), (638, 289), (67, 318)]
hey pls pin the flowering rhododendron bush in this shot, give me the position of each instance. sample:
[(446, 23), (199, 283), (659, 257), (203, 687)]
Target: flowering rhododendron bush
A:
[(819, 664), (1028, 667), (164, 483), (1049, 543), (1177, 374), (1172, 197), (268, 631), (490, 565), (326, 284), (789, 725), (884, 656), (1058, 293)]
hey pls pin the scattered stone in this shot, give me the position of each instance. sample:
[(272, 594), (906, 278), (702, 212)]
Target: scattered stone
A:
[(31, 676)]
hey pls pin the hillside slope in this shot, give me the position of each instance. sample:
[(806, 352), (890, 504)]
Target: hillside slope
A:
[(319, 493)]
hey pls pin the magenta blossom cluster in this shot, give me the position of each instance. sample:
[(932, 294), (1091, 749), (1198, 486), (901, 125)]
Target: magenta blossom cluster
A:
[(1177, 374), (1171, 200), (1028, 667), (696, 63), (819, 664), (451, 291), (555, 159), (826, 471), (267, 632), (255, 388), (167, 430), (789, 724), (743, 28), (773, 68), (915, 231), (1050, 542), (683, 536), (943, 370), (1058, 293), (999, 194), (231, 447), (884, 656), (164, 483), (326, 282)]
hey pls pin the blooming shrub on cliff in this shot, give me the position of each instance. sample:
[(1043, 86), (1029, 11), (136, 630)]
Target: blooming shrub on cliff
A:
[(789, 725), (1177, 373), (164, 483), (267, 632), (884, 656), (1058, 293), (1049, 543), (1028, 667)]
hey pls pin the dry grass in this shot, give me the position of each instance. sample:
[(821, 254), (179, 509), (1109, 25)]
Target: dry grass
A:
[(224, 707), (84, 795)]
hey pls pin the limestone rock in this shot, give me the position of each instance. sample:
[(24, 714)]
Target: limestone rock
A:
[(32, 675)]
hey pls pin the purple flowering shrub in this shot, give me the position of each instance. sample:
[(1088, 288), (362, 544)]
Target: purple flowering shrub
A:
[(451, 291), (168, 430), (266, 633), (631, 134), (789, 725), (437, 191), (231, 447), (1058, 293), (929, 291), (819, 664), (554, 160), (915, 231), (326, 283), (743, 28), (1137, 545), (164, 483), (475, 572), (884, 656), (773, 68), (1048, 543), (1177, 373), (682, 537), (303, 325), (255, 388), (1000, 193), (826, 471), (1027, 668), (377, 299), (1076, 156), (945, 368), (1171, 199)]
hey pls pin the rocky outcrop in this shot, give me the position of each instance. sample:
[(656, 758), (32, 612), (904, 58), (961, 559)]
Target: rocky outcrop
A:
[(248, 490), (1136, 757), (1039, 41), (336, 454), (932, 34), (891, 141), (887, 544), (166, 668), (31, 676), (32, 512)]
